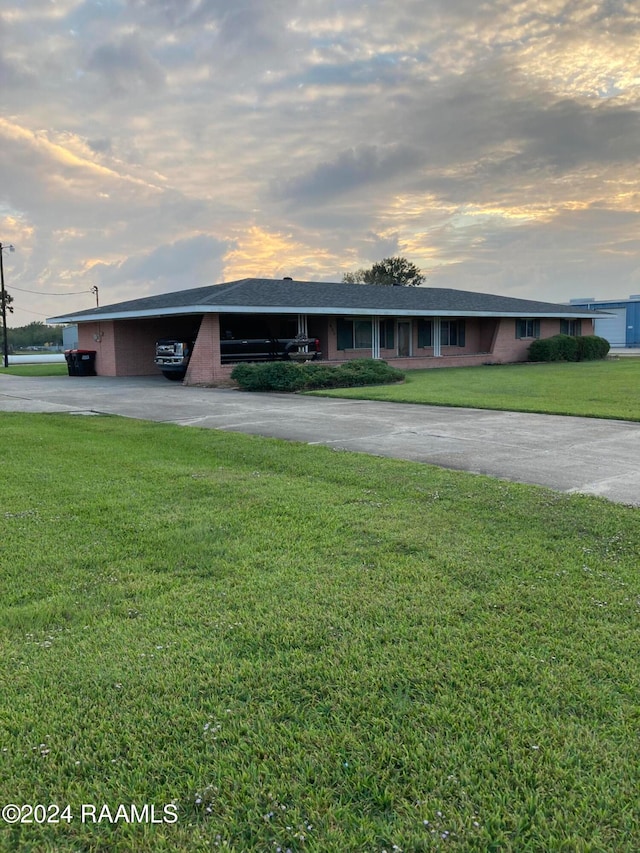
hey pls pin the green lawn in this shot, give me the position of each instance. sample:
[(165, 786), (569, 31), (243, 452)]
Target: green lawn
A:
[(304, 649), (601, 389), (45, 369)]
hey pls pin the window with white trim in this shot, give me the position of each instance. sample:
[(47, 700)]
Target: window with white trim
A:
[(452, 333), (357, 334), (362, 334), (527, 328), (571, 327)]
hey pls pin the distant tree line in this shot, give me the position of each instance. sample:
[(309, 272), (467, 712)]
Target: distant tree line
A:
[(35, 334)]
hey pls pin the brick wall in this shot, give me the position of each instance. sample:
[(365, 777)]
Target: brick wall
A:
[(507, 348), (332, 353), (419, 362), (128, 347), (205, 367), (135, 346), (100, 338)]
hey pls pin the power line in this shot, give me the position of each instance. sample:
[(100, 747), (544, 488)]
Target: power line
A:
[(46, 293), (28, 311)]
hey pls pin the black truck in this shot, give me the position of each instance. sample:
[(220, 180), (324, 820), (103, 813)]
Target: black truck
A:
[(172, 355)]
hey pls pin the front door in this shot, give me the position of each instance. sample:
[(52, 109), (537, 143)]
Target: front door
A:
[(404, 339)]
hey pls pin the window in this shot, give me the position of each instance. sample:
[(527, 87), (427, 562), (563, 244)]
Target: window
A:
[(527, 328), (571, 327), (357, 334), (354, 334), (425, 333), (345, 333), (387, 337), (452, 333), (362, 334)]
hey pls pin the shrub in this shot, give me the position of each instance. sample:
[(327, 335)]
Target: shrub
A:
[(321, 375), (243, 375), (541, 350), (556, 348), (367, 371), (568, 348), (592, 348), (271, 376), (288, 376)]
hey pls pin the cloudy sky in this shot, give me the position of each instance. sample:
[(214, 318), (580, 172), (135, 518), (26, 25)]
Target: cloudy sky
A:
[(153, 145)]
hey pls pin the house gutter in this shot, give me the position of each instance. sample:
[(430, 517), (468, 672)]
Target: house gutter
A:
[(331, 310)]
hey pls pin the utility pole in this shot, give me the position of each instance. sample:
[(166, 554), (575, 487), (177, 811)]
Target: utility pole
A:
[(3, 298), (94, 290)]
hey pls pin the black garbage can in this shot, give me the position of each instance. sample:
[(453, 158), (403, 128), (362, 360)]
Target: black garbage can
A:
[(86, 362), (82, 362), (70, 358)]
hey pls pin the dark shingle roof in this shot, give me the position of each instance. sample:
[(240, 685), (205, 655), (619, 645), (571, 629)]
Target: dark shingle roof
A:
[(323, 297)]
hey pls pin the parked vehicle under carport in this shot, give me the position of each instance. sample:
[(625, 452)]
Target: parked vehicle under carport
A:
[(172, 355)]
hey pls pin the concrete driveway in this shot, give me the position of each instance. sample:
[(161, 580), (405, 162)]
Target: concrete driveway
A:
[(596, 457)]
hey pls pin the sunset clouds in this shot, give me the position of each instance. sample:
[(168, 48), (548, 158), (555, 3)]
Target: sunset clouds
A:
[(151, 145)]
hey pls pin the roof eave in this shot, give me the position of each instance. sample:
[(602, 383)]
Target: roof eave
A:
[(126, 315), (302, 309)]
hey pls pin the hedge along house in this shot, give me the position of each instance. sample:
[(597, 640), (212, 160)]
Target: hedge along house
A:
[(409, 327)]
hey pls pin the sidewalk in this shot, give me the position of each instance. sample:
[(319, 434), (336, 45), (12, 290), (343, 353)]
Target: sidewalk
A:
[(622, 352)]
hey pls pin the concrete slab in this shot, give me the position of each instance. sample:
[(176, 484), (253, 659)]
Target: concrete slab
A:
[(624, 352), (586, 455)]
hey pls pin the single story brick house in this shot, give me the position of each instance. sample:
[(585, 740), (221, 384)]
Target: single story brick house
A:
[(409, 327)]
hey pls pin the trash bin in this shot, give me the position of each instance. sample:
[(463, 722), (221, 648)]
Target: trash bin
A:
[(70, 358), (81, 362), (85, 362)]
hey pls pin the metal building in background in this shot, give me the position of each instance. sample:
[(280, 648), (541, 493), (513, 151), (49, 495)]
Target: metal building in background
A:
[(70, 336), (622, 327)]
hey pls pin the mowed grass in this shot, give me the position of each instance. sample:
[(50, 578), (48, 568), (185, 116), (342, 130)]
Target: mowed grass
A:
[(600, 389), (44, 369), (308, 650)]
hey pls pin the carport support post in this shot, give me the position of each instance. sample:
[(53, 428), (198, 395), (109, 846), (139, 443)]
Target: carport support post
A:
[(205, 367), (303, 330)]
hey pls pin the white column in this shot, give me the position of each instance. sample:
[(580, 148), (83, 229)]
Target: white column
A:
[(375, 337), (302, 324), (436, 337)]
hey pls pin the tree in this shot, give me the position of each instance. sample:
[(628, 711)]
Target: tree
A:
[(389, 271), (36, 334)]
